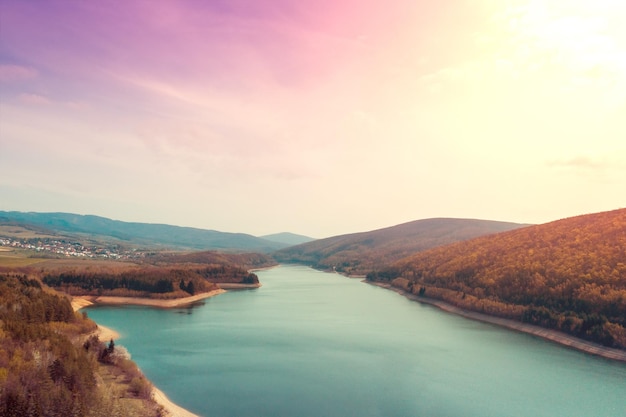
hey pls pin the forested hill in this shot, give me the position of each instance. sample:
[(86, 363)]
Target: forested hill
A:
[(142, 233), (568, 275), (50, 366), (360, 253)]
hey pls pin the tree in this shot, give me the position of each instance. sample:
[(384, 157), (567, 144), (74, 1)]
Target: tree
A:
[(191, 289), (56, 370)]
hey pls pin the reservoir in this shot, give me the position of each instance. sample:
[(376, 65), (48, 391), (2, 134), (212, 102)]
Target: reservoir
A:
[(314, 344)]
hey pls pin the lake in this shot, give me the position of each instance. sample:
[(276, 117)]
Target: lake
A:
[(310, 343)]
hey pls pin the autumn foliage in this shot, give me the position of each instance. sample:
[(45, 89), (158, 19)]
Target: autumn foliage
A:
[(241, 260), (46, 369), (160, 275), (46, 366), (151, 282), (568, 275), (359, 253), (41, 371)]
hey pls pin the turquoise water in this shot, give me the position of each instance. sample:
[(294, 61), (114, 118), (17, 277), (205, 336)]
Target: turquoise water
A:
[(310, 343)]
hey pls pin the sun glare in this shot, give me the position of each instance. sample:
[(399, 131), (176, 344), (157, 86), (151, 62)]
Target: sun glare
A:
[(580, 43)]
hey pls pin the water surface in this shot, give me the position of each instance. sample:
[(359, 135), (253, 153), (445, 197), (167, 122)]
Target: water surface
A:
[(309, 343)]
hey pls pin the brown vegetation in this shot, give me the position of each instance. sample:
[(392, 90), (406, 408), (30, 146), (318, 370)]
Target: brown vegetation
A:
[(45, 370), (160, 275), (242, 260), (150, 281), (46, 366), (359, 253), (568, 275)]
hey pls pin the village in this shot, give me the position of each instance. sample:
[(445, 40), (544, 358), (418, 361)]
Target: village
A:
[(61, 248)]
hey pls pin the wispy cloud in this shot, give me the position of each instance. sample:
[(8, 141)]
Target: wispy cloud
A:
[(313, 107), (581, 162)]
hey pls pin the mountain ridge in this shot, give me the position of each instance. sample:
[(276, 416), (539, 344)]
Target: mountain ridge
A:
[(358, 253), (288, 238), (165, 235)]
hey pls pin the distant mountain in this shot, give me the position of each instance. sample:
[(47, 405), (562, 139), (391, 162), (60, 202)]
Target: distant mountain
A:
[(360, 253), (142, 233), (288, 238), (568, 275)]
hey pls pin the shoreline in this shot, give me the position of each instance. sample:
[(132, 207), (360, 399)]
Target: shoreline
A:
[(263, 268), (106, 333), (174, 410), (237, 286), (82, 301), (554, 336)]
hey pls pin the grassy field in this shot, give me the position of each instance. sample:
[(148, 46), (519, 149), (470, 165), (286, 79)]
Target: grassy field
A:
[(18, 262), (20, 232), (15, 258), (82, 264)]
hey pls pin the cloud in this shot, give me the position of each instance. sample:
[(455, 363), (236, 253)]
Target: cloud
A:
[(579, 162), (613, 164), (11, 72)]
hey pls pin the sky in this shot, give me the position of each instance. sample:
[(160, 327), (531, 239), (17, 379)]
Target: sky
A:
[(317, 117)]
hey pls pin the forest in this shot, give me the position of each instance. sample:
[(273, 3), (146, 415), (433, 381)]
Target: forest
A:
[(242, 260), (50, 367), (568, 275), (149, 281)]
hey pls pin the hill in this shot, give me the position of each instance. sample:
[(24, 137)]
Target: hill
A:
[(287, 238), (359, 253), (51, 364), (163, 235), (568, 275)]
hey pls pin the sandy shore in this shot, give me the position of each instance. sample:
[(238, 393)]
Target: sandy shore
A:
[(105, 333), (79, 302), (551, 335), (173, 409), (264, 268)]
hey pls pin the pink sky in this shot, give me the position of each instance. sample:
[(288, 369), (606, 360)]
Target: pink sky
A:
[(319, 118)]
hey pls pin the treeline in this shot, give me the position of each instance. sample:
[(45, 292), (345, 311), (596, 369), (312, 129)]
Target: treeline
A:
[(155, 282), (228, 274), (43, 371), (241, 260), (136, 282), (568, 275)]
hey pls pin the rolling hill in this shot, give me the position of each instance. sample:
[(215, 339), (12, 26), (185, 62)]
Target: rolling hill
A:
[(287, 238), (568, 275), (360, 253), (163, 235)]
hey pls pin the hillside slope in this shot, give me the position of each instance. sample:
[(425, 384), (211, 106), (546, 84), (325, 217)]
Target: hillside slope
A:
[(568, 275), (360, 253), (51, 366), (287, 238), (142, 233)]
